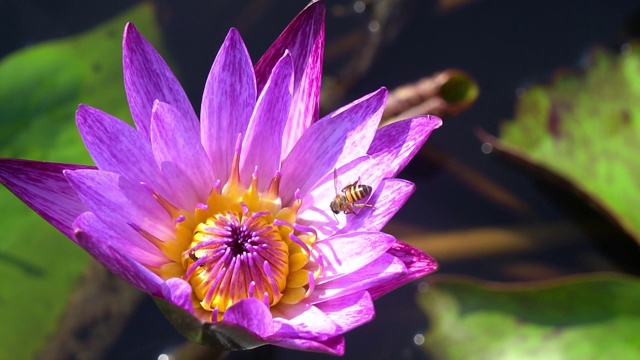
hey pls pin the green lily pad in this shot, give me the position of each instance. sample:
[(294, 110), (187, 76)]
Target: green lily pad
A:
[(40, 89), (590, 317), (585, 128)]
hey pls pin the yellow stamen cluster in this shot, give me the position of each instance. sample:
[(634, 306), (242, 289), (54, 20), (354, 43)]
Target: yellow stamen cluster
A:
[(239, 244)]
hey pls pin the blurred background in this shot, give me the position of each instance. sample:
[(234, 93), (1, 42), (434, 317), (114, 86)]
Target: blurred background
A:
[(479, 214)]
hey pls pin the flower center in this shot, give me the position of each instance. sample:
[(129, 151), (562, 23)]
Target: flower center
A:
[(234, 256), (239, 244)]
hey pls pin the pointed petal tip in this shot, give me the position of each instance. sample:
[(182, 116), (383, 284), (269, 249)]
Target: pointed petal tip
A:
[(85, 110), (156, 103), (130, 28), (418, 263), (233, 41), (427, 121), (317, 6), (130, 31), (233, 32), (234, 37), (382, 92), (81, 113), (436, 120)]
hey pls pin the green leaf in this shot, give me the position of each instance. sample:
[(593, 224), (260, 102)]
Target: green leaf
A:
[(591, 317), (586, 129), (40, 89)]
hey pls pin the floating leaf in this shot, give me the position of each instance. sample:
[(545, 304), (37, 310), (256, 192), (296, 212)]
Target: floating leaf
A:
[(592, 317), (586, 129), (40, 89)]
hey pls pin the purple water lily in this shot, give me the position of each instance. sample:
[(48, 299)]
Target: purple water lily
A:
[(226, 219)]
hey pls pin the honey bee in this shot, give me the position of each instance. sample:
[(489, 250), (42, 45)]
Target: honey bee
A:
[(346, 200)]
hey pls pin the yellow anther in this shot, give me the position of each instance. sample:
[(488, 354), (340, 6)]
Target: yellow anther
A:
[(293, 295), (298, 278), (297, 261)]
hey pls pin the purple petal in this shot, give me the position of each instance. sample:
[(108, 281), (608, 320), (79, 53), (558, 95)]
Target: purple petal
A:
[(147, 78), (418, 265), (302, 321), (387, 199), (346, 253), (333, 141), (349, 311), (263, 139), (178, 292), (384, 269), (304, 39), (316, 208), (44, 188), (117, 147), (402, 140), (227, 103), (115, 253), (250, 314), (333, 346), (120, 204), (176, 145)]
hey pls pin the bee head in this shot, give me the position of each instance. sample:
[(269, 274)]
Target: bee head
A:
[(334, 207)]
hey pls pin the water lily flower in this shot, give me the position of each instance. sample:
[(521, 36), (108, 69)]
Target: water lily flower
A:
[(226, 219)]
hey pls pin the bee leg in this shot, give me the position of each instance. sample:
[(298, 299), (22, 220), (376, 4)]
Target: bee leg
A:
[(349, 209), (362, 205)]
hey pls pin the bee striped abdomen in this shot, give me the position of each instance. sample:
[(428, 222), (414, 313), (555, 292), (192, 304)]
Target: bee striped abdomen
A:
[(356, 192)]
